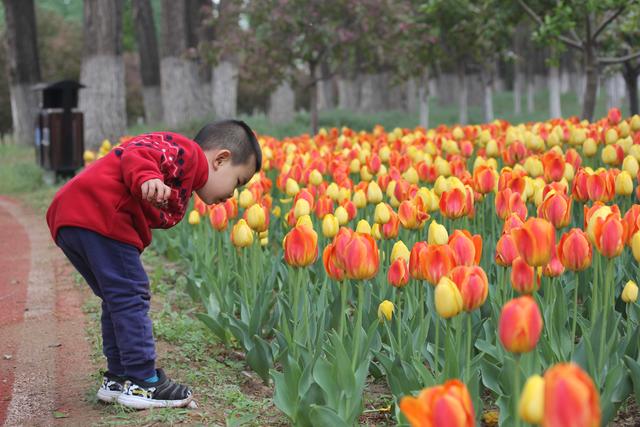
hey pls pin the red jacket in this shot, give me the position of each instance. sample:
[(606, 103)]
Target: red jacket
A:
[(106, 196)]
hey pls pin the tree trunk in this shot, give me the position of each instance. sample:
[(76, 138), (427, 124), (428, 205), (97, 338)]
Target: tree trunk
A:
[(103, 101), (463, 102), (347, 93), (423, 99), (555, 110), (23, 66), (630, 74), (487, 82), (225, 90), (149, 59), (518, 81), (181, 88), (372, 92), (313, 98), (326, 98), (412, 95), (591, 90), (282, 103)]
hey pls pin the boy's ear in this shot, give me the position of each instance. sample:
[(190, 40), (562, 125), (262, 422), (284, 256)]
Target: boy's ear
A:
[(220, 157)]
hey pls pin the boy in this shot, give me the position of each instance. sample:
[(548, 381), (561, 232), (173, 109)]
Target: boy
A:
[(102, 221)]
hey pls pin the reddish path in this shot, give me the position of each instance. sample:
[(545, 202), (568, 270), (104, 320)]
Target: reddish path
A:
[(44, 353)]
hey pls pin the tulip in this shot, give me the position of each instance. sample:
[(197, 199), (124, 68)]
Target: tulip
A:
[(241, 234), (574, 250), (554, 267), (412, 214), (535, 240), (473, 285), (246, 198), (531, 405), (448, 298), (506, 250), (608, 234), (382, 213), (570, 398), (508, 202), (485, 179), (596, 213), (291, 187), (363, 227), (553, 163), (456, 203), (199, 206), (333, 191), (360, 199), (467, 249), (635, 246), (300, 246), (624, 184), (194, 217), (590, 147), (632, 222), (400, 250), (630, 292), (523, 277), (437, 234), (257, 218), (398, 274), (448, 404), (391, 229), (430, 262), (330, 226), (520, 325), (350, 208), (556, 208), (218, 217), (601, 186), (342, 215), (324, 206), (330, 262), (385, 310), (360, 257), (315, 177), (374, 193)]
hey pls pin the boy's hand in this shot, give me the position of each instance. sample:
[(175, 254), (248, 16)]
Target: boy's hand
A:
[(155, 191)]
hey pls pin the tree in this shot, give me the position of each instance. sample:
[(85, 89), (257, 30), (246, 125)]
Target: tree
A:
[(147, 42), (103, 100), (23, 66), (579, 25)]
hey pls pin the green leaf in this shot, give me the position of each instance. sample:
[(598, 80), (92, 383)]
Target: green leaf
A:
[(260, 358), (321, 416), (58, 414), (634, 371)]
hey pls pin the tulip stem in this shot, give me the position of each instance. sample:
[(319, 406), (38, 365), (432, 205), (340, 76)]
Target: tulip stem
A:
[(356, 333), (516, 390), (575, 314), (436, 352), (605, 312), (343, 308), (399, 319), (469, 333)]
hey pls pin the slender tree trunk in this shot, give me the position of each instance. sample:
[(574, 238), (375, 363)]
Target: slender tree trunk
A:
[(423, 99), (225, 89), (487, 83), (463, 101), (281, 104), (347, 93), (630, 74), (554, 92), (23, 66), (591, 90), (412, 95), (313, 98), (103, 100), (372, 92), (326, 98), (518, 69), (149, 59)]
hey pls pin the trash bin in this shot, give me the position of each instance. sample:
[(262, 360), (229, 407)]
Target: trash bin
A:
[(59, 132)]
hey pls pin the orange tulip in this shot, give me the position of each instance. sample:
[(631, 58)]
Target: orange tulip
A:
[(520, 325), (609, 235), (506, 250), (398, 274), (430, 262), (467, 249), (574, 250), (300, 246), (554, 267), (448, 405), (199, 205), (306, 195), (556, 208), (535, 240), (329, 259), (632, 222), (231, 205), (391, 229), (358, 255), (456, 203), (579, 188), (412, 214), (324, 206), (553, 164), (596, 213), (601, 186), (512, 222), (473, 284), (523, 277), (350, 207), (570, 398), (485, 179), (509, 202), (218, 217)]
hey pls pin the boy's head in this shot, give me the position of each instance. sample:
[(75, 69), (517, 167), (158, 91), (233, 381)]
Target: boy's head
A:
[(233, 154)]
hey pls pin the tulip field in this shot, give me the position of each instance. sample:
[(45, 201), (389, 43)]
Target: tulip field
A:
[(485, 273)]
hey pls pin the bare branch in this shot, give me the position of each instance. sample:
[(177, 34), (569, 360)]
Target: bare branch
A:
[(607, 21), (619, 59), (574, 43)]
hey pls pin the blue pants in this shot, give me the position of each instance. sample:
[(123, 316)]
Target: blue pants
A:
[(115, 274)]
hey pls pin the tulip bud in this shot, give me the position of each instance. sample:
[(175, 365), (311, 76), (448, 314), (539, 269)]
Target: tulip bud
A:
[(333, 191), (398, 274), (363, 227), (301, 208), (194, 217), (241, 234), (330, 225), (305, 219), (611, 136), (315, 177), (590, 147), (277, 211), (264, 241), (256, 217), (437, 234), (448, 298), (381, 215), (400, 250), (630, 164), (635, 123), (360, 199), (376, 231), (291, 187), (609, 155), (531, 405), (630, 292), (635, 246), (374, 193), (520, 325), (411, 175), (492, 148), (385, 310), (624, 184), (246, 198), (342, 215)]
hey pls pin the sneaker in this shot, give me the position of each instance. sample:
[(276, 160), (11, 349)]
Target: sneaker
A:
[(162, 394), (111, 388)]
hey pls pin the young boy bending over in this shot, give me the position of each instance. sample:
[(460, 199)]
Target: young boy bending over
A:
[(102, 221)]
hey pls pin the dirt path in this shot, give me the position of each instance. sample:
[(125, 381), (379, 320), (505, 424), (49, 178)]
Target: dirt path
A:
[(44, 354)]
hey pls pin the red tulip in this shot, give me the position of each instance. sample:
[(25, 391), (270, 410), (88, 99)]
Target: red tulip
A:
[(553, 164), (467, 249), (554, 267), (508, 202), (330, 261), (300, 246), (506, 250), (412, 213), (523, 277), (535, 240), (360, 257), (430, 262), (570, 398), (556, 208), (391, 229), (456, 203), (324, 206), (473, 284), (574, 250), (485, 179), (218, 217), (520, 325), (398, 274), (609, 235)]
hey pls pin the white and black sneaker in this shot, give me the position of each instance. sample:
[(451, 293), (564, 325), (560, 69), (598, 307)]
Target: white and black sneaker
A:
[(111, 387), (163, 393)]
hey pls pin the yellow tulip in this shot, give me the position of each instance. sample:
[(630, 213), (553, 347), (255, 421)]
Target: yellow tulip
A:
[(345, 194), (360, 199), (400, 250), (277, 211), (624, 184), (492, 148), (256, 217), (374, 193), (376, 231), (611, 136), (301, 208), (354, 166), (381, 215), (411, 175), (194, 217), (241, 234), (534, 167), (365, 175), (330, 225), (304, 220), (245, 199), (291, 187), (590, 147), (531, 405), (630, 292), (448, 298), (88, 156), (624, 129), (609, 155), (264, 241), (438, 234), (635, 123), (635, 245), (631, 165), (333, 191), (384, 153), (315, 177), (385, 310), (363, 227), (342, 215)]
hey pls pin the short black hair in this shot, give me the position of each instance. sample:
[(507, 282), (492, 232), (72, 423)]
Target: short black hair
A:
[(233, 135)]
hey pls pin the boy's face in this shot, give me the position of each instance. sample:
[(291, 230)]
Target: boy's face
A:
[(224, 177)]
